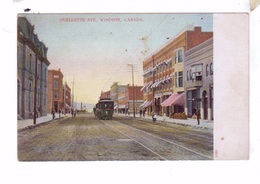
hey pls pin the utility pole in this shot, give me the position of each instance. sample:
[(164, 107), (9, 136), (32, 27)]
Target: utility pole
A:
[(132, 68), (35, 89)]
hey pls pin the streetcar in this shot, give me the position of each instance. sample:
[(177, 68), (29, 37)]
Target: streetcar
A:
[(104, 109)]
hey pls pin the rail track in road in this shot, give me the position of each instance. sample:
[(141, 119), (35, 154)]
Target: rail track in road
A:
[(164, 148)]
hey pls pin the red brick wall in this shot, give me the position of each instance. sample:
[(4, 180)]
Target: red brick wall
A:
[(196, 37), (139, 94)]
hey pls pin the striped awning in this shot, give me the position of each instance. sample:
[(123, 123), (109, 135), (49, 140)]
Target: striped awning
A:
[(174, 99)]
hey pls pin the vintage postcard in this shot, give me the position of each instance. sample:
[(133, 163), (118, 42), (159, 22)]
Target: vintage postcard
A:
[(132, 86)]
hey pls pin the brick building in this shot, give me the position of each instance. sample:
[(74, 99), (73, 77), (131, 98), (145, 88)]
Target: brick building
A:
[(164, 72), (55, 91), (32, 66), (130, 99), (105, 94)]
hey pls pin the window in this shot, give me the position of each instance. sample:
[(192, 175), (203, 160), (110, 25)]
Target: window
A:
[(196, 71), (178, 56), (178, 79), (207, 70), (30, 63), (55, 95), (211, 68), (55, 84)]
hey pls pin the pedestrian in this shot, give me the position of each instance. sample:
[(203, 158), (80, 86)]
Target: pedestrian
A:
[(164, 117), (75, 112), (140, 111), (59, 113), (154, 117), (53, 113), (198, 115), (72, 113), (144, 113)]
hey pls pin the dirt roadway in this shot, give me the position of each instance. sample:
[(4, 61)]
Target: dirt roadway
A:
[(85, 138)]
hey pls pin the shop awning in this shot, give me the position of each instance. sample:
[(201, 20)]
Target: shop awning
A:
[(149, 104), (143, 104), (174, 99)]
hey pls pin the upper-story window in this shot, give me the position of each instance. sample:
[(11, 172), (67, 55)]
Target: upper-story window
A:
[(211, 68), (178, 79), (55, 84), (207, 70), (196, 72), (178, 56)]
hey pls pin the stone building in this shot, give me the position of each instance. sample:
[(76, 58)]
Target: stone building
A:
[(32, 66), (66, 98), (199, 80), (115, 89)]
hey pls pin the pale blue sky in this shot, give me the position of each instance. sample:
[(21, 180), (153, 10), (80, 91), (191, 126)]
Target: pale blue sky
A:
[(97, 53)]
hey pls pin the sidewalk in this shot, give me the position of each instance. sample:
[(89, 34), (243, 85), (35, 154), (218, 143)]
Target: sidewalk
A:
[(29, 122), (190, 122)]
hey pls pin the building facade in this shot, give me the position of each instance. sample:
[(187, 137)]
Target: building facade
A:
[(66, 98), (164, 71), (115, 89), (105, 94), (32, 66), (130, 100), (199, 80), (55, 92)]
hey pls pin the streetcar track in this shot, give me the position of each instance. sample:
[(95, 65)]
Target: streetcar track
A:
[(134, 140), (165, 140), (188, 149), (184, 132)]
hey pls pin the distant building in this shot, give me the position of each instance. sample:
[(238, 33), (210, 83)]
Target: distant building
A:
[(105, 94), (32, 66), (130, 99), (115, 89), (164, 73), (199, 80), (55, 96), (66, 98)]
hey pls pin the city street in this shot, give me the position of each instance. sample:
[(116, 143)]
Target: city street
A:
[(85, 138)]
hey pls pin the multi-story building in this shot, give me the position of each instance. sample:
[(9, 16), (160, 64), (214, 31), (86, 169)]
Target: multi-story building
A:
[(115, 90), (164, 72), (130, 99), (198, 80), (55, 91), (32, 66), (66, 98), (105, 94)]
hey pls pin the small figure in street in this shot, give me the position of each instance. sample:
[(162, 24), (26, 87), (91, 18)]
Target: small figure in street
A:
[(53, 113), (154, 117), (144, 113), (198, 115), (75, 112), (59, 113), (164, 117), (140, 113), (72, 113)]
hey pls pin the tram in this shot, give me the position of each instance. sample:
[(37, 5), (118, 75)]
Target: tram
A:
[(104, 109)]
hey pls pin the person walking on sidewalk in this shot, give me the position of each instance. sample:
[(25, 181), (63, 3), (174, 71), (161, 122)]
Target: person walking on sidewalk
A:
[(154, 117), (140, 111), (53, 113), (198, 115), (144, 112)]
